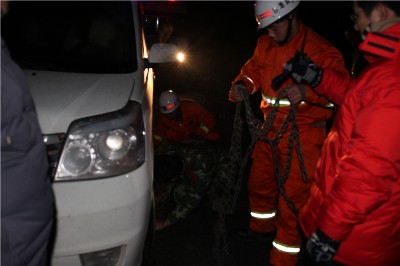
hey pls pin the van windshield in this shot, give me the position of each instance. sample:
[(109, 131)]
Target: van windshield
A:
[(71, 36)]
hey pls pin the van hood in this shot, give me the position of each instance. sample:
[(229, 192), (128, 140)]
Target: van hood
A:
[(61, 98)]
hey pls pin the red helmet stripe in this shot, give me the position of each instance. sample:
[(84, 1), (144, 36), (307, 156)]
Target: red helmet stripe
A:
[(265, 14), (170, 106)]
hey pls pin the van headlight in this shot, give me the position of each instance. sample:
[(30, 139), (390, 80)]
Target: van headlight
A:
[(103, 146)]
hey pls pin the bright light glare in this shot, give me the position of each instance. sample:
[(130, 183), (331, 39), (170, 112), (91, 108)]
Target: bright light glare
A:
[(114, 142), (181, 57)]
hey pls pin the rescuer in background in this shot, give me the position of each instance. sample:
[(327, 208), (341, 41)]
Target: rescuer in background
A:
[(186, 144)]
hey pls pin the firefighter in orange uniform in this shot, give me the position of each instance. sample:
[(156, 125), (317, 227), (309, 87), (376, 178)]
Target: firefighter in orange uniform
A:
[(182, 120), (271, 218)]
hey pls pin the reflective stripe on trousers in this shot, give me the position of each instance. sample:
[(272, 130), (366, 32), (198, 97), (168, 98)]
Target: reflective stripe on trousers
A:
[(263, 215), (279, 246), (287, 249)]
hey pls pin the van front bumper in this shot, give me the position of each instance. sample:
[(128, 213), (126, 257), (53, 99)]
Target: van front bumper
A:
[(109, 215)]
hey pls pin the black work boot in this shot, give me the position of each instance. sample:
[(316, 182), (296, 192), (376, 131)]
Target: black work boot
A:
[(250, 235)]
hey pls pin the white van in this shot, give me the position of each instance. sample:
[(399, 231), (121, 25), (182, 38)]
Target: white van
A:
[(88, 68)]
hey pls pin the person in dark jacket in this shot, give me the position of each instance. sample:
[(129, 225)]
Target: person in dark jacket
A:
[(27, 201), (352, 216)]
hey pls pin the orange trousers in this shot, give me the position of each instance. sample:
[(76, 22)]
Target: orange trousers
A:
[(264, 196)]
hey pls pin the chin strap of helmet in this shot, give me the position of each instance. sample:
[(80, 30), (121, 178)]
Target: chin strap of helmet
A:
[(277, 82), (289, 32)]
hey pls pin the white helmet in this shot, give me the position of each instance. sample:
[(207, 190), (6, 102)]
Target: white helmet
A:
[(268, 12), (168, 102)]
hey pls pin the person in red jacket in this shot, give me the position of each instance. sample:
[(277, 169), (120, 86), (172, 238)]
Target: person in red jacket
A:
[(353, 213), (185, 141), (271, 217)]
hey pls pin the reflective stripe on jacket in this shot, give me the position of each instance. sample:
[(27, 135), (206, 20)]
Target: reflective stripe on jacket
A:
[(285, 102)]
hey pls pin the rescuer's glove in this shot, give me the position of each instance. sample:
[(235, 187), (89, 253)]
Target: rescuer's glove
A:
[(295, 93), (207, 133), (321, 248), (234, 92), (302, 68)]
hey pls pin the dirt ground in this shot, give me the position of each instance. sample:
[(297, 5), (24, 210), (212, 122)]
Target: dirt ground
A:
[(193, 242)]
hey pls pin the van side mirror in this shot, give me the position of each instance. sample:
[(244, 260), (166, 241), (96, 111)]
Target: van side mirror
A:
[(162, 53)]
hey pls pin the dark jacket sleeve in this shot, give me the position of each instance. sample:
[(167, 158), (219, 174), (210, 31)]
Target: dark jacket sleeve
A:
[(27, 203)]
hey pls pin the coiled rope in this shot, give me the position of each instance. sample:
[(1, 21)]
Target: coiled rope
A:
[(238, 161)]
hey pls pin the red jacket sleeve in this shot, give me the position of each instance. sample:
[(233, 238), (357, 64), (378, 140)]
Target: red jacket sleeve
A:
[(334, 85), (206, 121), (165, 130), (249, 73)]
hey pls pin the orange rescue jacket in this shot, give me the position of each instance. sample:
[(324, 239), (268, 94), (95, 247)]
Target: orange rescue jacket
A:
[(196, 121), (268, 60)]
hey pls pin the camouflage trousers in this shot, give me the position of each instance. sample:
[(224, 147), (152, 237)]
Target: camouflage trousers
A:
[(199, 160)]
